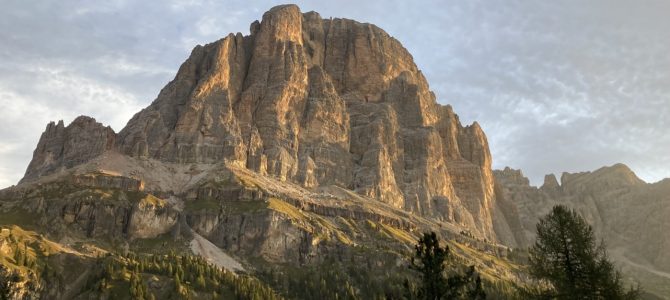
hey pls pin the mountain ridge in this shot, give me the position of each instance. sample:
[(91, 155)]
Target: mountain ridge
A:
[(309, 140), (311, 101), (626, 212)]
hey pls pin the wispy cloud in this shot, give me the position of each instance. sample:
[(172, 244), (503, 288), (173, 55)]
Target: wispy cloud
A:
[(557, 85)]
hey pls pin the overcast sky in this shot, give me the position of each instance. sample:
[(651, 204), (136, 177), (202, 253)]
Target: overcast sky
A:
[(556, 85)]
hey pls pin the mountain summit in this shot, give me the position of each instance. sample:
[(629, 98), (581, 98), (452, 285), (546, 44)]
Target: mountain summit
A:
[(309, 155), (312, 101)]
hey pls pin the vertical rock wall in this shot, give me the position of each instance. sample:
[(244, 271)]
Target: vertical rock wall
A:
[(313, 101)]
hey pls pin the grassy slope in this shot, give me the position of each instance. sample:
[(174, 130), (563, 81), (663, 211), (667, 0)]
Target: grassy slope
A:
[(372, 252)]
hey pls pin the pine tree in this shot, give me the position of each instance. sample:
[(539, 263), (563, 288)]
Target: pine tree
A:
[(103, 284), (200, 281), (432, 258), (5, 283), (434, 283), (177, 283), (133, 286), (566, 257), (19, 258), (25, 255)]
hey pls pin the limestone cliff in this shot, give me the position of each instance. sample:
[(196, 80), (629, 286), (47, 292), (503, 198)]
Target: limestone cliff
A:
[(63, 147), (629, 214), (308, 140), (312, 101)]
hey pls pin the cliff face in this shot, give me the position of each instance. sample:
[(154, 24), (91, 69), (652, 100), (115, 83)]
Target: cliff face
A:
[(63, 147), (594, 194), (312, 101), (629, 214), (310, 139)]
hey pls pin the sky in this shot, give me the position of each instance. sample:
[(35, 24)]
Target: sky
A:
[(562, 85)]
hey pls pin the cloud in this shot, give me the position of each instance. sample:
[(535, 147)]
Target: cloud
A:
[(557, 85)]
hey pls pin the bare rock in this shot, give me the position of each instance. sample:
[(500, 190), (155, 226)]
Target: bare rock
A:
[(317, 102), (63, 147), (627, 213), (550, 183)]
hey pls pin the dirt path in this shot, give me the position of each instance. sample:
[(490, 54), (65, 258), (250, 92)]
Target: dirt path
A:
[(201, 246)]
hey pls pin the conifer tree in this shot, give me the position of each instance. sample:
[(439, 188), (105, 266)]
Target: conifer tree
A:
[(200, 281), (566, 257), (4, 283), (435, 284)]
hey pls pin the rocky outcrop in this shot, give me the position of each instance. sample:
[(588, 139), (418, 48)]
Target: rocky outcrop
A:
[(94, 205), (150, 218), (312, 101), (550, 183), (321, 102), (63, 147), (108, 182), (299, 108), (627, 213)]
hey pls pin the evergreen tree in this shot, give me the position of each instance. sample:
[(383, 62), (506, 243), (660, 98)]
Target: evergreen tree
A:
[(25, 254), (19, 258), (566, 257), (434, 282), (200, 281), (177, 280), (7, 277), (432, 258)]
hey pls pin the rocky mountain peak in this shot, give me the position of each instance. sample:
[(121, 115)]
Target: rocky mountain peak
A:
[(618, 175), (282, 23), (310, 139), (311, 101), (63, 147), (550, 182), (509, 176)]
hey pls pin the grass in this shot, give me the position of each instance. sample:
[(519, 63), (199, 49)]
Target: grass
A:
[(160, 244), (56, 190), (287, 209), (654, 283), (349, 224), (153, 201), (205, 203), (489, 265), (398, 234), (133, 196), (330, 227), (321, 227), (237, 207), (232, 207), (371, 224), (38, 253), (19, 217)]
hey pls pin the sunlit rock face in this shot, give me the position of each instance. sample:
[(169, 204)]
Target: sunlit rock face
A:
[(62, 147), (316, 102)]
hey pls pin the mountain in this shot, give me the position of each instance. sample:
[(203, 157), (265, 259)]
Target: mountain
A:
[(631, 216), (302, 160), (308, 147), (309, 101)]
